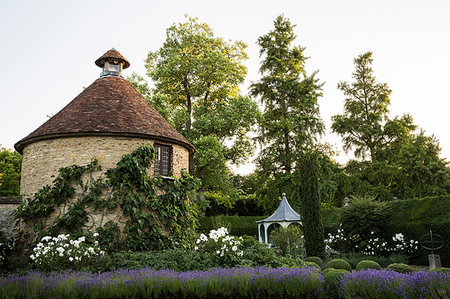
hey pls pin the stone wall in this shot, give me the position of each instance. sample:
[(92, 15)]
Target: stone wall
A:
[(7, 207), (41, 160)]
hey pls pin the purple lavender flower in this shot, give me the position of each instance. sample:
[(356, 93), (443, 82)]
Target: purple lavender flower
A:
[(390, 284), (234, 282)]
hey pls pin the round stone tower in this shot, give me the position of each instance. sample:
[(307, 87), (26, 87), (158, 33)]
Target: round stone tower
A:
[(107, 120)]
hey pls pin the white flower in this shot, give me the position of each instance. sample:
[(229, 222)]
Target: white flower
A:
[(70, 258), (195, 248), (46, 238), (218, 252), (95, 235), (203, 237), (234, 248)]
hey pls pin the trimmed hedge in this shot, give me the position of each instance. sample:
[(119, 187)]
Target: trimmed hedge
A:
[(237, 225)]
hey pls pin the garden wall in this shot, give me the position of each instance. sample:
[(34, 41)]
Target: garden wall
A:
[(7, 207)]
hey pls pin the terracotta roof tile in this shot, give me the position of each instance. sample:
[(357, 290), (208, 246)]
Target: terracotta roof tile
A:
[(110, 107)]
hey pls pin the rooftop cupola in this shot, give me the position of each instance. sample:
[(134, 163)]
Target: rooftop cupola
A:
[(112, 63)]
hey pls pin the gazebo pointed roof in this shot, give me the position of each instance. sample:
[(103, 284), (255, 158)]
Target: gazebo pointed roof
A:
[(284, 213)]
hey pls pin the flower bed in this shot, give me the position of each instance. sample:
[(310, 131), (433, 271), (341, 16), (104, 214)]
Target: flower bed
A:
[(242, 282), (390, 284)]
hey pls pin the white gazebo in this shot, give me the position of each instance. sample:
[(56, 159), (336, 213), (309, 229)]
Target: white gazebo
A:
[(283, 216)]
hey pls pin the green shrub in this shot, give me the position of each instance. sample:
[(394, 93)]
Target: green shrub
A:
[(400, 268), (312, 264), (398, 258), (367, 264), (412, 217), (289, 240), (331, 281), (314, 259), (63, 252), (174, 259), (225, 250), (440, 270), (339, 264)]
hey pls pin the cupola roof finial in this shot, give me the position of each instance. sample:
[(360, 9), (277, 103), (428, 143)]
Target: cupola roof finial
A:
[(112, 55)]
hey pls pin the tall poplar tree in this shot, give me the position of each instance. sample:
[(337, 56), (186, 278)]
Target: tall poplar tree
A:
[(290, 121)]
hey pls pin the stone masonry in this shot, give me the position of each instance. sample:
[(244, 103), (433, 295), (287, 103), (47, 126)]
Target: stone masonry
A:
[(41, 160)]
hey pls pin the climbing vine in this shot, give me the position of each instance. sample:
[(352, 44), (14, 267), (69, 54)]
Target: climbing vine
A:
[(157, 210)]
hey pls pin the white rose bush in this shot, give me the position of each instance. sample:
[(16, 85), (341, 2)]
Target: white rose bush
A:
[(224, 249), (374, 245), (64, 252)]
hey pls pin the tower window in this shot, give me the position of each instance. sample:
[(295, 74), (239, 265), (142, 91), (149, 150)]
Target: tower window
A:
[(163, 159)]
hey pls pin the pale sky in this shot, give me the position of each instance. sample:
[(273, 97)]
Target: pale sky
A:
[(48, 49)]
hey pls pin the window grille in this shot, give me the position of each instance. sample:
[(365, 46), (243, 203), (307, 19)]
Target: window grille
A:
[(163, 160)]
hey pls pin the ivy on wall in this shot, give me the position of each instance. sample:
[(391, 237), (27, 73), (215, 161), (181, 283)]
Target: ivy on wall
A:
[(157, 210)]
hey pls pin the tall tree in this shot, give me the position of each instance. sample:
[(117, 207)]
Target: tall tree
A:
[(290, 121), (197, 76), (365, 125), (10, 164), (194, 67), (309, 197)]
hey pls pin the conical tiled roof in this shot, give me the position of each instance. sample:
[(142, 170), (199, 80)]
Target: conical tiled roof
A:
[(284, 213), (110, 106)]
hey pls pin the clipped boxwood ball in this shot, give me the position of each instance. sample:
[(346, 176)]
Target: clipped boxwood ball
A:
[(312, 264), (331, 281), (400, 268), (367, 264), (339, 264), (440, 270), (314, 259)]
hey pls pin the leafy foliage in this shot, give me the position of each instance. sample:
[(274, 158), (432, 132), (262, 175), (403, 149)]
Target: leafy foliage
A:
[(290, 121), (154, 220), (310, 202), (10, 163), (289, 240), (195, 66), (367, 264), (364, 124), (400, 268), (332, 278), (196, 77), (338, 264), (364, 217)]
